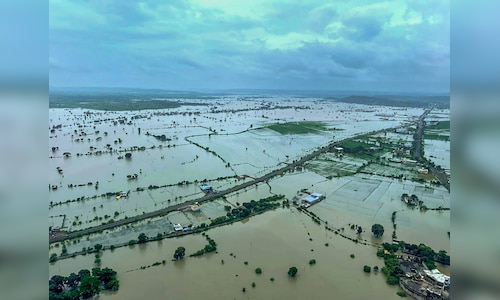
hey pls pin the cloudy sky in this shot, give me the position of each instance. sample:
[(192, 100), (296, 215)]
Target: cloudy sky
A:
[(395, 46)]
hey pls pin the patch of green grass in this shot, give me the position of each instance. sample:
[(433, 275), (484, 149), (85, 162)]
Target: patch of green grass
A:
[(305, 127), (430, 136), (427, 177), (354, 145), (440, 125)]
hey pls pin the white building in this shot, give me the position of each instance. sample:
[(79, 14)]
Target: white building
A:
[(311, 199), (438, 277)]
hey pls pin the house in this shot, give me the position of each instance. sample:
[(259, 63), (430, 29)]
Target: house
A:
[(437, 277), (311, 199), (423, 171), (178, 227), (206, 188), (402, 130)]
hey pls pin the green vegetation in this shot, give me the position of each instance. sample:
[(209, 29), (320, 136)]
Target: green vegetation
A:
[(354, 146), (53, 257), (312, 262), (401, 294), (210, 247), (142, 238), (98, 247), (179, 253), (272, 279), (377, 230), (441, 125), (82, 285), (299, 127), (352, 255), (292, 272), (365, 150), (248, 208), (439, 137), (253, 284), (258, 271), (392, 269), (132, 242), (367, 269), (115, 101)]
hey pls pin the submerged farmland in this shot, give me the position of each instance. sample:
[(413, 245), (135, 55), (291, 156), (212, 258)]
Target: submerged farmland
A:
[(112, 165)]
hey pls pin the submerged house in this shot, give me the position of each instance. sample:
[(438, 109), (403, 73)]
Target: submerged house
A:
[(206, 188), (311, 199)]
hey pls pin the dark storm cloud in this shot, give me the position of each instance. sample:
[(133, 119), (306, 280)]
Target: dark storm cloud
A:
[(201, 43)]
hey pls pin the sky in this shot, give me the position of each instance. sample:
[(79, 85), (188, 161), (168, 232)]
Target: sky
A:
[(393, 46)]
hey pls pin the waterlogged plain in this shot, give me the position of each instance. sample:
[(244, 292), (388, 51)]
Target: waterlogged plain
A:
[(225, 143)]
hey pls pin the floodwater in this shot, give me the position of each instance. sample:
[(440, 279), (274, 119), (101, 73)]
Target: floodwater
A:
[(272, 241), (239, 144)]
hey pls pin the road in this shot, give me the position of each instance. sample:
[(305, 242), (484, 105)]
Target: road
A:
[(439, 173), (205, 198)]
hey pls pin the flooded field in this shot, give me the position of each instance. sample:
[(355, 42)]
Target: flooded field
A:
[(109, 166)]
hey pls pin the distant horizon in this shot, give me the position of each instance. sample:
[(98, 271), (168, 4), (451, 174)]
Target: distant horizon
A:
[(244, 90)]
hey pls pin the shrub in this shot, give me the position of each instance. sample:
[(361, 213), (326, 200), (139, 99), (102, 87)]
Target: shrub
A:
[(391, 280), (367, 269), (401, 294), (352, 256), (312, 262), (258, 271)]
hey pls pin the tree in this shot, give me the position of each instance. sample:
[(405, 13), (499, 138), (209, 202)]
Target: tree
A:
[(360, 229), (258, 271), (179, 253), (98, 247), (89, 286), (83, 273), (292, 271), (73, 280), (56, 283), (378, 230), (367, 269), (142, 238)]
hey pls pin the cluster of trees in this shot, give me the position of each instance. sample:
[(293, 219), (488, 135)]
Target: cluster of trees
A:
[(210, 247), (248, 208), (427, 254), (392, 268), (82, 285), (411, 201)]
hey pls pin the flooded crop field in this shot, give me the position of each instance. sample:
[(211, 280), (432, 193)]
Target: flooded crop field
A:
[(112, 166)]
